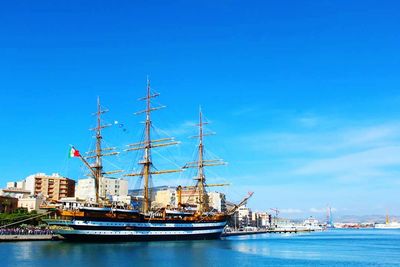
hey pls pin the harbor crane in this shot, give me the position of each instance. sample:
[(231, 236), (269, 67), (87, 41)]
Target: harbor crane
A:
[(276, 211)]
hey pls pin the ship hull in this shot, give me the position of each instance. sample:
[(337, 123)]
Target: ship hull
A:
[(79, 237), (115, 231)]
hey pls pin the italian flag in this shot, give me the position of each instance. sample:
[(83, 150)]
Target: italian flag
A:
[(74, 153)]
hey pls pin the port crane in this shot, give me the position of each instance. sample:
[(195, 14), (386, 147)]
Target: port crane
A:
[(276, 211)]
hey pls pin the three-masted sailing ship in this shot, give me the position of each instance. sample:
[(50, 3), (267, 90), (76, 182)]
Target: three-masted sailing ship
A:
[(103, 220)]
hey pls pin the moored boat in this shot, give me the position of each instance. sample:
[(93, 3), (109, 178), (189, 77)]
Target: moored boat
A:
[(388, 224)]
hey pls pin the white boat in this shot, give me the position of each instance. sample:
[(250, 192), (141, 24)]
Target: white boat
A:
[(312, 224), (388, 225)]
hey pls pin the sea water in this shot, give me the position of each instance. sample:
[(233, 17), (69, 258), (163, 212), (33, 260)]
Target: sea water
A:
[(327, 248)]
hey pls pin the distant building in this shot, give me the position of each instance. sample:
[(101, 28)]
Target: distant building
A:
[(245, 216), (11, 184), (51, 187), (108, 187), (263, 219), (15, 192), (165, 197), (217, 201), (122, 199), (30, 203), (138, 193), (190, 196), (8, 204)]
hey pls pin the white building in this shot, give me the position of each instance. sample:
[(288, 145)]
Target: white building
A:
[(122, 199), (263, 219), (217, 201), (165, 197), (244, 216), (30, 203), (15, 192), (108, 187)]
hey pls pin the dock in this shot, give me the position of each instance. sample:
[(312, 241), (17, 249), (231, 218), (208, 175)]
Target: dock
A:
[(272, 231), (14, 238)]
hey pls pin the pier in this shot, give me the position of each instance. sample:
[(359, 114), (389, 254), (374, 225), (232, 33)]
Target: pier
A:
[(272, 231), (14, 238)]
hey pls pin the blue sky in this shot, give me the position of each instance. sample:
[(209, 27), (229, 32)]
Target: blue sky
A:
[(304, 95)]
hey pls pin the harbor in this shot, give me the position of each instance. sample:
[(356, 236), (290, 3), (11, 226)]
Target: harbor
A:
[(199, 133), (329, 248)]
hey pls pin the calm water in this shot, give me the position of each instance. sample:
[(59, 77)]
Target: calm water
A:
[(329, 248)]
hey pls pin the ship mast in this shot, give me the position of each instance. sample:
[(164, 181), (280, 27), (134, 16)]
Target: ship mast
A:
[(199, 165), (201, 179), (146, 145), (98, 164), (147, 151), (96, 169)]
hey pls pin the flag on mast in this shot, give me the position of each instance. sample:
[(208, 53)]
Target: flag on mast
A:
[(74, 153)]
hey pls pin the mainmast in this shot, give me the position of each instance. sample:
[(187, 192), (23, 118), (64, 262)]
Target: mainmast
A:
[(200, 164), (147, 150), (146, 145), (201, 179)]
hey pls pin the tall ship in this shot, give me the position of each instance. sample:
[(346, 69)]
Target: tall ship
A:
[(104, 220)]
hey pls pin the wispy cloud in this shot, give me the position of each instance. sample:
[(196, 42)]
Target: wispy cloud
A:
[(325, 140), (350, 163), (343, 153), (244, 111), (184, 129), (291, 211), (354, 163), (321, 210), (308, 121)]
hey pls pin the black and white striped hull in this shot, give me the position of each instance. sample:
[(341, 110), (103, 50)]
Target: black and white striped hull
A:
[(138, 231)]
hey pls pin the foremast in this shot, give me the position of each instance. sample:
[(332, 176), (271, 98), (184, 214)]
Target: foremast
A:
[(96, 169), (146, 145)]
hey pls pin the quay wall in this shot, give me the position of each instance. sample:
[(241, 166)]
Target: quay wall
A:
[(13, 238)]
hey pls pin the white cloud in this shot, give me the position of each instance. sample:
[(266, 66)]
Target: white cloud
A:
[(308, 121), (316, 210), (351, 164), (244, 111), (325, 140), (343, 153), (359, 163), (321, 210), (184, 129), (291, 211)]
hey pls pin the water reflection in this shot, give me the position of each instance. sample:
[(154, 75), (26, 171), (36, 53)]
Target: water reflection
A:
[(23, 251), (329, 248)]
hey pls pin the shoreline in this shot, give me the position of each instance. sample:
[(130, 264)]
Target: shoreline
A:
[(18, 238)]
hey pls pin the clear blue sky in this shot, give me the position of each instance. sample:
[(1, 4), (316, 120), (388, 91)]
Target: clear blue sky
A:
[(304, 95)]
